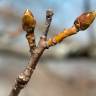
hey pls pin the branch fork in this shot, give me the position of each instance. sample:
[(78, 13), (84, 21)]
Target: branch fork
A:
[(28, 23)]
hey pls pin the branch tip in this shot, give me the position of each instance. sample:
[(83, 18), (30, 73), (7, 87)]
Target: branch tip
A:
[(49, 15)]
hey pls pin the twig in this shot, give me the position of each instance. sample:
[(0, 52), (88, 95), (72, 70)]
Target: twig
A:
[(49, 14), (59, 37), (24, 77), (81, 23)]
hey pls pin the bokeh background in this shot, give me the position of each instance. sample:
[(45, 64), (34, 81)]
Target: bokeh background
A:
[(67, 69)]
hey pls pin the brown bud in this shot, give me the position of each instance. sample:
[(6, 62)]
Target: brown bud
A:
[(85, 20), (28, 21)]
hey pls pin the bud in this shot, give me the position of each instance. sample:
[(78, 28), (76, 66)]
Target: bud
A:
[(49, 13), (28, 21), (85, 20)]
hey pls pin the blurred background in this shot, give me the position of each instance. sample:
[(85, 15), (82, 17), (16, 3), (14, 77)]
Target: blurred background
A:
[(67, 69)]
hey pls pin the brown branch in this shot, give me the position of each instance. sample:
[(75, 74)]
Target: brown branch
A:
[(36, 52), (24, 77), (81, 23)]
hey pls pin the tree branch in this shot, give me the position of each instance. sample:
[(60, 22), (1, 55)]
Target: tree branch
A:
[(81, 23), (28, 24)]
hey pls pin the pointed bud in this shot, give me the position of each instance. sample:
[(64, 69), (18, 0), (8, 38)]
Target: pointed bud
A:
[(85, 20), (28, 21)]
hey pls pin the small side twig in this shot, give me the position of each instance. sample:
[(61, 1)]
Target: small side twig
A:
[(49, 14)]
